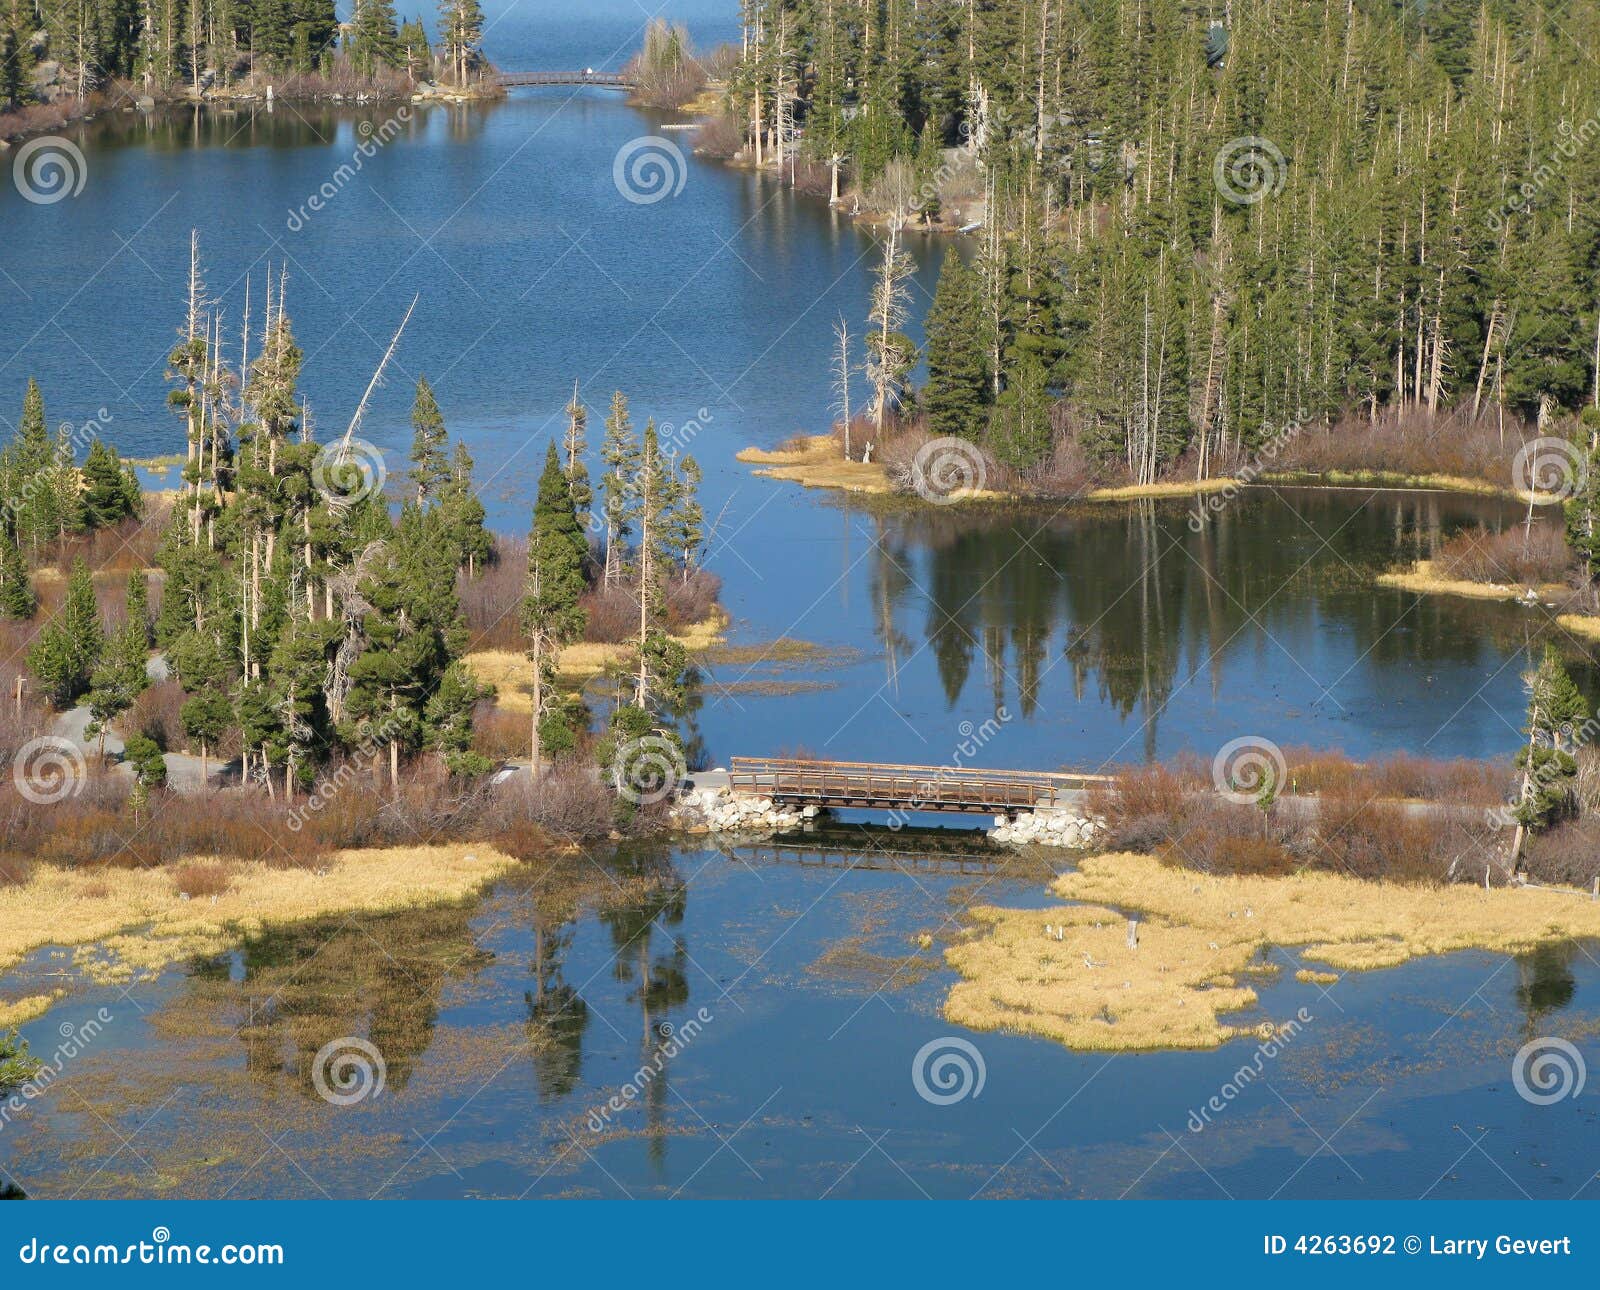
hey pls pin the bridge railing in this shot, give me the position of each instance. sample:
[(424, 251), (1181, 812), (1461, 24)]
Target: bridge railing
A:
[(917, 787), (607, 80)]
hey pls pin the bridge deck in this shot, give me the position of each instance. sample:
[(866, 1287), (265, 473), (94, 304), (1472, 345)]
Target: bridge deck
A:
[(910, 788), (605, 80)]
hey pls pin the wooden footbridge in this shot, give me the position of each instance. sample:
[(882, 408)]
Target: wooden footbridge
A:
[(602, 80), (874, 786)]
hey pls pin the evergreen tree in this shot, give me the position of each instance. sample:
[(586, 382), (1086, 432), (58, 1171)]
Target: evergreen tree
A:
[(111, 491), (463, 515), (374, 37), (430, 463), (551, 614), (68, 647), (958, 375), (619, 452), (575, 446), (17, 598), (139, 606), (118, 679)]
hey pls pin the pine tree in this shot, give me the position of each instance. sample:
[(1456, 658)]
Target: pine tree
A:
[(430, 464), (68, 647), (17, 598), (463, 515), (551, 614), (619, 452), (958, 376), (139, 605), (30, 470), (447, 721), (374, 36), (685, 521), (110, 494), (118, 679), (460, 35), (575, 446), (1556, 711)]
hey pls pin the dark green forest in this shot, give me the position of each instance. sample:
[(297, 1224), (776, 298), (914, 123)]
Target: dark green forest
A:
[(1206, 224)]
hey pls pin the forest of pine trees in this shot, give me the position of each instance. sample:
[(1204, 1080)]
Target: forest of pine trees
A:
[(1205, 224), (165, 44), (307, 616)]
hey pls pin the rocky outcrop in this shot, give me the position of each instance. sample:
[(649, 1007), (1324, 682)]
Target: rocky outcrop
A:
[(1049, 828), (716, 810)]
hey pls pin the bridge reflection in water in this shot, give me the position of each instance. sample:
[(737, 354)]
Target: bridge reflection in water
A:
[(908, 851)]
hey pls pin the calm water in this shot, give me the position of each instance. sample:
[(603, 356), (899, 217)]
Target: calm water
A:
[(1106, 634)]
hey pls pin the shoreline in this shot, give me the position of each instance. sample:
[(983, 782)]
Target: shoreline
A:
[(127, 924), (817, 463)]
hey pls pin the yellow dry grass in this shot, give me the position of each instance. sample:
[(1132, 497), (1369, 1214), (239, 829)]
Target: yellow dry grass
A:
[(1398, 479), (26, 1009), (1586, 625), (818, 464), (1199, 934), (1421, 578), (511, 673), (131, 922), (1170, 488)]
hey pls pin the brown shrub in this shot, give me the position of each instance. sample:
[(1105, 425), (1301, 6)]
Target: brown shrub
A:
[(155, 715), (720, 137), (200, 878), (1519, 556), (1413, 442), (1461, 781), (569, 804), (613, 615), (1567, 856), (492, 601)]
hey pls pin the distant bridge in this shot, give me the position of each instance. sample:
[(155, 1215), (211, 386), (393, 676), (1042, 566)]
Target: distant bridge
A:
[(874, 786), (603, 80)]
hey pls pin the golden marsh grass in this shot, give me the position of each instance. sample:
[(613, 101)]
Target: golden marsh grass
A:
[(132, 922), (1199, 934)]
